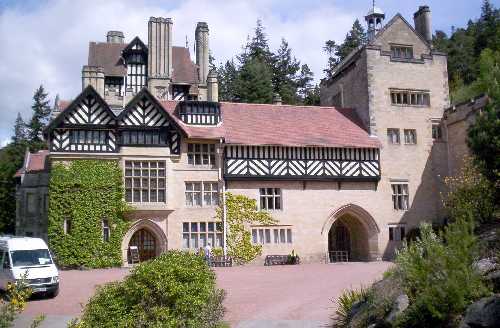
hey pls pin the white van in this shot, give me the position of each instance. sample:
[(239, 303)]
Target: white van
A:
[(19, 255)]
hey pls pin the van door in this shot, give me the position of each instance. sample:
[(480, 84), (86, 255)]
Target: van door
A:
[(3, 271)]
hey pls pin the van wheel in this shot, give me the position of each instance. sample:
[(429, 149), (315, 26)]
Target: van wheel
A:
[(54, 293)]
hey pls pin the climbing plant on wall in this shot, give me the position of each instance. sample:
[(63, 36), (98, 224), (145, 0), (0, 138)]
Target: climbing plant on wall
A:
[(86, 192), (241, 212)]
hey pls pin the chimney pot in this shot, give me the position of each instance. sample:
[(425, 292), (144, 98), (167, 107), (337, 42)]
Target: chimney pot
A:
[(115, 37)]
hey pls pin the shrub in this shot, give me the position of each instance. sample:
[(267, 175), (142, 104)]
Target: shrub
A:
[(347, 299), (437, 274), (176, 289), (470, 193)]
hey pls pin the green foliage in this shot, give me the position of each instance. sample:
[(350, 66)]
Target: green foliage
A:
[(469, 192), (241, 212), (336, 53), (437, 274), (344, 304), (86, 192), (40, 117), (464, 47), (17, 295), (254, 82), (176, 289), (259, 73)]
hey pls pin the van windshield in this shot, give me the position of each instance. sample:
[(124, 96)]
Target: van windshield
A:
[(30, 257)]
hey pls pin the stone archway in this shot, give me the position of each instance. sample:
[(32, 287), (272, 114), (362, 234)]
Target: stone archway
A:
[(357, 227), (148, 232)]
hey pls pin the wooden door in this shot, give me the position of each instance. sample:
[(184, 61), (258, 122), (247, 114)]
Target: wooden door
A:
[(342, 239), (146, 244)]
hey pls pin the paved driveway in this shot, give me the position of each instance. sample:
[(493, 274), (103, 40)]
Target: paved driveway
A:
[(257, 296)]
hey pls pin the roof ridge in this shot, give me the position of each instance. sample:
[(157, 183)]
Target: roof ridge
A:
[(285, 105)]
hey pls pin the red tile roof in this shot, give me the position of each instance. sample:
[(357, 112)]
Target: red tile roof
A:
[(265, 124), (33, 162)]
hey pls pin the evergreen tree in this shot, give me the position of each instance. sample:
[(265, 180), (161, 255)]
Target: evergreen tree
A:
[(254, 82), (355, 38), (41, 112), (257, 47), (228, 74), (19, 130), (285, 68), (312, 97), (304, 82)]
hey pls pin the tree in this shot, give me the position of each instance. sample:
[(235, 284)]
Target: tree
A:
[(228, 74), (241, 212), (304, 82), (254, 82), (40, 118), (19, 130), (355, 38), (484, 134), (285, 68), (257, 47)]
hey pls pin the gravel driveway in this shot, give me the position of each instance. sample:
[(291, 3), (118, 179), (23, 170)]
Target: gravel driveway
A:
[(257, 296)]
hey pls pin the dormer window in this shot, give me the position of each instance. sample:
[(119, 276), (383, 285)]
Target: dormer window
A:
[(200, 112), (402, 52), (135, 55)]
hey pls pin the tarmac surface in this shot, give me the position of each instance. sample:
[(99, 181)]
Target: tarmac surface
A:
[(257, 296)]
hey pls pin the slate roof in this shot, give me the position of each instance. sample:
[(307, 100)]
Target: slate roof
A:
[(34, 162), (285, 125), (108, 56)]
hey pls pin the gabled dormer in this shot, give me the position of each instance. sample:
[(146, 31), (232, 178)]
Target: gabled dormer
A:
[(135, 57)]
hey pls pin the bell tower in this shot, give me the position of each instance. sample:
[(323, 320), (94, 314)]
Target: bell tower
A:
[(374, 18)]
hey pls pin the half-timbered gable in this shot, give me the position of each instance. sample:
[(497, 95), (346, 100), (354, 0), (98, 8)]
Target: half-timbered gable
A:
[(144, 122), (86, 125)]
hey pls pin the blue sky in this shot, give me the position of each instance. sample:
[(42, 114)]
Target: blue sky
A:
[(46, 41)]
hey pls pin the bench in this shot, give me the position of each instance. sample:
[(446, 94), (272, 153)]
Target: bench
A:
[(280, 260), (222, 261)]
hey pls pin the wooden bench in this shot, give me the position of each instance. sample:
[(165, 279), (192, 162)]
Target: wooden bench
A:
[(280, 260), (222, 261)]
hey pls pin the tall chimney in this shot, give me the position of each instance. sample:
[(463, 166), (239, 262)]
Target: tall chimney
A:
[(114, 37), (422, 19), (160, 47), (160, 56), (201, 40)]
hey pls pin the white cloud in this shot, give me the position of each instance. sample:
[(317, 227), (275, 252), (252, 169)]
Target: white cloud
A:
[(48, 44)]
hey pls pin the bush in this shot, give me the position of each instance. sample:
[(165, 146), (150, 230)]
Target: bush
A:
[(176, 289), (345, 303), (437, 274), (470, 193)]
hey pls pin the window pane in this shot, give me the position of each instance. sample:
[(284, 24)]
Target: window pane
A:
[(203, 226), (185, 240), (289, 235), (254, 236), (211, 226), (282, 236), (194, 226), (261, 236), (268, 236), (276, 236)]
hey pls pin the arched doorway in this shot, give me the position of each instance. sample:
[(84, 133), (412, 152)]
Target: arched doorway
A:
[(145, 242), (351, 233), (339, 238), (149, 238)]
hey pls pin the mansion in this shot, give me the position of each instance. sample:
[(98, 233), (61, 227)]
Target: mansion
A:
[(351, 177)]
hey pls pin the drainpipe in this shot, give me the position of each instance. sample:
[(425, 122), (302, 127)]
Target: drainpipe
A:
[(224, 208)]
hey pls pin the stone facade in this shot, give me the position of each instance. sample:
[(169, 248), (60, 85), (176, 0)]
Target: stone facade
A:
[(343, 185)]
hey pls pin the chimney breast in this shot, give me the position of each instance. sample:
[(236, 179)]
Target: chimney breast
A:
[(422, 19), (115, 37), (202, 54)]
